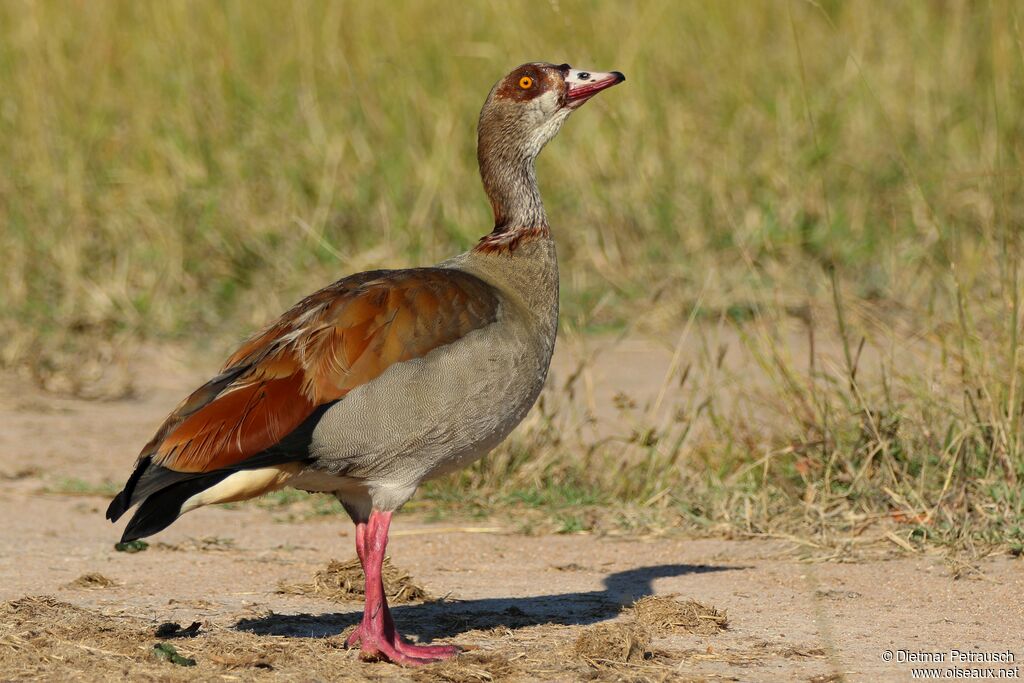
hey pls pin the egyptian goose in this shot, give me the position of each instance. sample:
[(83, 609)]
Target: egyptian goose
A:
[(385, 378)]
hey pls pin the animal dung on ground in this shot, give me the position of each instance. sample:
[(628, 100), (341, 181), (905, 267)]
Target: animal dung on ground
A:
[(344, 582), (92, 581), (172, 630), (664, 614)]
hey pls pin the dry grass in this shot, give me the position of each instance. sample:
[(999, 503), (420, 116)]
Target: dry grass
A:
[(92, 581), (762, 429), (344, 582), (44, 638), (624, 649), (41, 637), (629, 641), (666, 614), (610, 644), (471, 667), (848, 174)]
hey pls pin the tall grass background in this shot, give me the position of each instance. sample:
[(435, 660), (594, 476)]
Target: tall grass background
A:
[(177, 171)]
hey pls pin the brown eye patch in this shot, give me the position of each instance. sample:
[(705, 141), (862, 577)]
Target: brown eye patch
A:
[(529, 81)]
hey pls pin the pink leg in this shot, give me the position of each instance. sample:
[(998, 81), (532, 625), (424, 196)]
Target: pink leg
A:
[(376, 635), (353, 639)]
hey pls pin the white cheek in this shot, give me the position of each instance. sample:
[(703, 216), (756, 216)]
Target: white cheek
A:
[(534, 115), (550, 126), (548, 103)]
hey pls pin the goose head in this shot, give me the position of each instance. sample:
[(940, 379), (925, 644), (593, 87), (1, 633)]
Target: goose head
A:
[(523, 112), (526, 108)]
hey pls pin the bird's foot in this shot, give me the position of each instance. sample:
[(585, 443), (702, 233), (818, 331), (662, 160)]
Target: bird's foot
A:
[(396, 649)]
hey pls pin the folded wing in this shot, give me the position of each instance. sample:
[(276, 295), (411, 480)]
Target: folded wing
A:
[(261, 409)]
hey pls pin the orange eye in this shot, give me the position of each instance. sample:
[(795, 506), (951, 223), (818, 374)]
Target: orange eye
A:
[(525, 82)]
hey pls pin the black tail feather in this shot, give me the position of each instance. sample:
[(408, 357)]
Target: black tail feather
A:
[(122, 501), (161, 490), (160, 509), (146, 480)]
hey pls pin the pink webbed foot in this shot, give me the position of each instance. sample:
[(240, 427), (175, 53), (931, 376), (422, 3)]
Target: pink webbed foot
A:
[(387, 644)]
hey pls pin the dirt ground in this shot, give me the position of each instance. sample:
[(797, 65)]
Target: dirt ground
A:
[(525, 607)]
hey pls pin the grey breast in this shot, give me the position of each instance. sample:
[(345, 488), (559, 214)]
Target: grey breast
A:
[(427, 416)]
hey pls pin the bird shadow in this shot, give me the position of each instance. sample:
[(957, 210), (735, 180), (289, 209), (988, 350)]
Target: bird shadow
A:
[(448, 618)]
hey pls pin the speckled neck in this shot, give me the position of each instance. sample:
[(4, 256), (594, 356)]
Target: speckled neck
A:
[(510, 180), (509, 140)]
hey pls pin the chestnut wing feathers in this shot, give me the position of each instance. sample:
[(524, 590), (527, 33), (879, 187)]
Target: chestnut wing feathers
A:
[(326, 345)]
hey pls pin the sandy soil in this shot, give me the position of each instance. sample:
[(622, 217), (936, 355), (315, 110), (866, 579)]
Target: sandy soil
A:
[(521, 603)]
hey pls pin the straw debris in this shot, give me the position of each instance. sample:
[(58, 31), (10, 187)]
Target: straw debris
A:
[(610, 644), (42, 638), (665, 614), (344, 582), (92, 581), (469, 667)]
